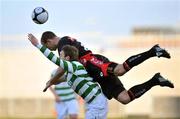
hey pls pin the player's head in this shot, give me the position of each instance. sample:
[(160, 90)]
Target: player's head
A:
[(50, 40), (69, 53)]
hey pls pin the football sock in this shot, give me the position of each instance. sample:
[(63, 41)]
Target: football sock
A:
[(139, 90), (137, 59)]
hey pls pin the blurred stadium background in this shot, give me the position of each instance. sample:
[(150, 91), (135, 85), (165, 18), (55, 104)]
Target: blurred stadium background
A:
[(24, 72)]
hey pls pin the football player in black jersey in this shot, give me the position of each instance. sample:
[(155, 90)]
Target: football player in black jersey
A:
[(105, 72)]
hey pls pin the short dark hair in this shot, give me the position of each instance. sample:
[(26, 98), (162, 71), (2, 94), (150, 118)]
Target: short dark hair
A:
[(71, 51), (47, 35)]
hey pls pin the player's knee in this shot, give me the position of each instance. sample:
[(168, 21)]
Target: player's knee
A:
[(124, 98), (73, 116), (119, 70), (125, 101)]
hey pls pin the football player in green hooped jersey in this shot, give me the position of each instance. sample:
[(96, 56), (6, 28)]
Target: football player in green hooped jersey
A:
[(77, 78)]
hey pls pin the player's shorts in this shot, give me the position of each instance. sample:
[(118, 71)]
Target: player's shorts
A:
[(98, 108), (110, 84), (66, 108)]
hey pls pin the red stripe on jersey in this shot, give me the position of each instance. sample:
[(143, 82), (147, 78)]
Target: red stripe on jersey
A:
[(96, 62)]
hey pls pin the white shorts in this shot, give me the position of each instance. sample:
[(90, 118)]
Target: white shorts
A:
[(67, 108), (98, 108)]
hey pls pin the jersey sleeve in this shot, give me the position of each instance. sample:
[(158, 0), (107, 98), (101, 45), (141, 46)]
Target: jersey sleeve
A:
[(53, 73), (66, 65)]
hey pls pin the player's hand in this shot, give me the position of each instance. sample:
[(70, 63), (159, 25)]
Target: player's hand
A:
[(57, 99), (33, 39), (48, 84)]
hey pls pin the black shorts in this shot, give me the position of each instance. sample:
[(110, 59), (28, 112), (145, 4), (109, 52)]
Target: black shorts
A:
[(110, 84)]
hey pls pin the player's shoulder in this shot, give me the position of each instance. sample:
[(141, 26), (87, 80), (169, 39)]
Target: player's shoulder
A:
[(68, 38), (65, 37), (77, 63), (64, 41)]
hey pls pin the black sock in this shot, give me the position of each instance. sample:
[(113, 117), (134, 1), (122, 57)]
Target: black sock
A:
[(137, 59), (139, 90)]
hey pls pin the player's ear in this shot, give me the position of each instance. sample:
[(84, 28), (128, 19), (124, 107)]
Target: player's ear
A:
[(68, 58), (48, 41)]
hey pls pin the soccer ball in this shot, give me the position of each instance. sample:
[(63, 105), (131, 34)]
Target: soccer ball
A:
[(39, 15)]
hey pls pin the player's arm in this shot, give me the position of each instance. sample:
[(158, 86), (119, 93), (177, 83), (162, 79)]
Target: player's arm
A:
[(60, 78), (65, 65), (56, 79)]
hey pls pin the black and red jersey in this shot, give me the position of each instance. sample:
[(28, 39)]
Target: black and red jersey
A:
[(96, 66), (66, 40)]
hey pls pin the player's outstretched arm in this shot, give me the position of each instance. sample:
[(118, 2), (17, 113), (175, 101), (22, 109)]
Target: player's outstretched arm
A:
[(66, 65), (33, 39)]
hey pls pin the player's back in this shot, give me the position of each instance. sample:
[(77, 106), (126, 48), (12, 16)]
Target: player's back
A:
[(93, 71), (82, 83)]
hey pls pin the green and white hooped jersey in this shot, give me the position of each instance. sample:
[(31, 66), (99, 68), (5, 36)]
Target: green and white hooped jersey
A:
[(63, 90), (77, 76)]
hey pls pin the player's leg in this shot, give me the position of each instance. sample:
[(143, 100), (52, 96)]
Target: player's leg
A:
[(116, 69), (123, 97), (73, 109), (135, 60), (137, 91), (102, 114), (139, 58), (157, 79), (97, 109), (61, 110), (117, 90)]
